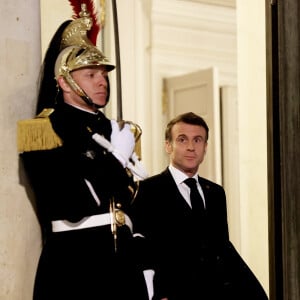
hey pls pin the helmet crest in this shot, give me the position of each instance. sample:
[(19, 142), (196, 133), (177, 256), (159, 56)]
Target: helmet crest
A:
[(90, 10)]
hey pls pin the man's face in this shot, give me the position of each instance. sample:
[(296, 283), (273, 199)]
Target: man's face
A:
[(94, 83), (187, 148)]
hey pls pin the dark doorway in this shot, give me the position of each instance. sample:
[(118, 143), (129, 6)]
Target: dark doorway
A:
[(283, 115)]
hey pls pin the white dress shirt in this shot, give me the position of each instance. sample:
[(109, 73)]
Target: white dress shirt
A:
[(179, 178)]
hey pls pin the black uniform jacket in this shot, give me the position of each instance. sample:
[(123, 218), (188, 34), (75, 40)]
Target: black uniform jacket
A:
[(192, 258), (81, 264)]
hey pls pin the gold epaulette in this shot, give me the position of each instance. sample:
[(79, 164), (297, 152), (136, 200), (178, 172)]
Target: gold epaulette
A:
[(37, 133)]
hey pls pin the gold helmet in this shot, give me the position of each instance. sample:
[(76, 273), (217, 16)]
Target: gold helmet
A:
[(76, 57), (77, 51)]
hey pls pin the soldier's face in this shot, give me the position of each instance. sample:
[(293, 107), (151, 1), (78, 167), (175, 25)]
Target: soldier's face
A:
[(94, 83)]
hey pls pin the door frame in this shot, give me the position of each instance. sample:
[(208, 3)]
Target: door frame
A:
[(283, 115)]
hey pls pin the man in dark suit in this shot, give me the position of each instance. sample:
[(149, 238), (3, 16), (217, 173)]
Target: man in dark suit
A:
[(185, 243)]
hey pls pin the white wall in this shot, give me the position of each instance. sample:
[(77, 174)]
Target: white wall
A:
[(253, 135), (19, 67)]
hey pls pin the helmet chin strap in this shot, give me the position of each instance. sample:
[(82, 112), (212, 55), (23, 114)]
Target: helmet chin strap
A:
[(80, 92), (88, 100)]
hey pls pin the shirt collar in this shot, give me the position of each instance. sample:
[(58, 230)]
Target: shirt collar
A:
[(179, 176)]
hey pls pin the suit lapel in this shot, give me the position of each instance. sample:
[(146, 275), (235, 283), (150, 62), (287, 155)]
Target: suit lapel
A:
[(206, 188)]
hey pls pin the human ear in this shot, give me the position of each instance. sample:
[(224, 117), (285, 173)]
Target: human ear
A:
[(63, 84), (168, 147)]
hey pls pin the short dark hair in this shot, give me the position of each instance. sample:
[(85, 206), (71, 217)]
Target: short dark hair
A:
[(188, 118)]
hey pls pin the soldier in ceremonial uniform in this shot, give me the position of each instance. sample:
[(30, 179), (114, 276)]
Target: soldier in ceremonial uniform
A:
[(80, 166)]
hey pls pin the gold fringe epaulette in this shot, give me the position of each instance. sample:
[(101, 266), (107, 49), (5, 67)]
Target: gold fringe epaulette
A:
[(37, 133)]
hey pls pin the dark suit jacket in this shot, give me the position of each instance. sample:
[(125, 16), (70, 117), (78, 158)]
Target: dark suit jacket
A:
[(192, 259)]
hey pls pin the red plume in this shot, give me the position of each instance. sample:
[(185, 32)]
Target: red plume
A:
[(76, 6)]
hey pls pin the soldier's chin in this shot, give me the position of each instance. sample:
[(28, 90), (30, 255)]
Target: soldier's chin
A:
[(100, 102)]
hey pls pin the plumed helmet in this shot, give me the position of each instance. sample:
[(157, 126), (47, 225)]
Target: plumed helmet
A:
[(71, 48), (77, 57), (77, 50)]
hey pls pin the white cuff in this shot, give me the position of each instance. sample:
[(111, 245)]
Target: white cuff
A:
[(149, 274)]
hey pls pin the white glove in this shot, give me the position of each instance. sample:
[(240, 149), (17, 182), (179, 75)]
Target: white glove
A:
[(132, 163), (122, 141)]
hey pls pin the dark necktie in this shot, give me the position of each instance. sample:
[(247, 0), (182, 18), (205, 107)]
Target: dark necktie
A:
[(195, 197)]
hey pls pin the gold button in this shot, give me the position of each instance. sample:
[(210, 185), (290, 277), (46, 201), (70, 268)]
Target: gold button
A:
[(120, 218)]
